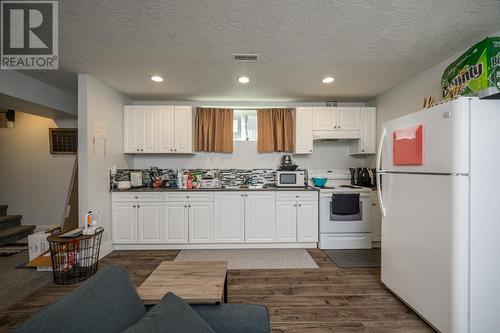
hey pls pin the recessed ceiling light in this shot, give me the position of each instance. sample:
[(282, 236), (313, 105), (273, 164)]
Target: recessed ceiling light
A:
[(328, 79), (243, 79), (157, 78)]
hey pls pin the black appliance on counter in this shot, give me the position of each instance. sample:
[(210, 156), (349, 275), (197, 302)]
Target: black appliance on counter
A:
[(287, 164), (363, 177)]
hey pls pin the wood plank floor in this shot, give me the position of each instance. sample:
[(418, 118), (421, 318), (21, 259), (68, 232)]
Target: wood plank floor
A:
[(328, 299)]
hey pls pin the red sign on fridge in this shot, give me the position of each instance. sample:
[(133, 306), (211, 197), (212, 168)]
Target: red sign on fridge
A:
[(408, 146)]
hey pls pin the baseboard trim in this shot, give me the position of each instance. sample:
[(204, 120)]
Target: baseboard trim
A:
[(215, 246), (106, 248)]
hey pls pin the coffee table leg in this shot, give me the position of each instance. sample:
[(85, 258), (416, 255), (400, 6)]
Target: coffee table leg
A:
[(225, 289)]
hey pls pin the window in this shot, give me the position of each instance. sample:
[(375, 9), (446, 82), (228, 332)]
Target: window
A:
[(245, 125)]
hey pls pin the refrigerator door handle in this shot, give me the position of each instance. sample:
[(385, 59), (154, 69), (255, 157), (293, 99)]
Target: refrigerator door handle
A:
[(380, 146), (379, 175), (379, 194)]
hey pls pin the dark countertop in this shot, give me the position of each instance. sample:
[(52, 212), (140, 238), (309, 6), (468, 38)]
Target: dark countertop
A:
[(168, 189)]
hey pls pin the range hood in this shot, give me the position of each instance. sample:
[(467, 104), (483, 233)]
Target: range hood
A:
[(336, 135)]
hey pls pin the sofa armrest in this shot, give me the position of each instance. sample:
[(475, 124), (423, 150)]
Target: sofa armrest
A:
[(241, 318)]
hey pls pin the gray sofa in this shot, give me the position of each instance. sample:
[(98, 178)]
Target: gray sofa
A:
[(108, 302)]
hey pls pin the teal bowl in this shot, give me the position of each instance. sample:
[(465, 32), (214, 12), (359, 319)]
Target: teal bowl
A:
[(319, 181)]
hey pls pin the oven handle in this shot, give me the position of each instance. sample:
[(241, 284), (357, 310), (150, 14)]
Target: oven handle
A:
[(379, 172)]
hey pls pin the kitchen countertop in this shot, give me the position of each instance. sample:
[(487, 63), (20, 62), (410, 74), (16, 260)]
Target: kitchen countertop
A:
[(168, 189)]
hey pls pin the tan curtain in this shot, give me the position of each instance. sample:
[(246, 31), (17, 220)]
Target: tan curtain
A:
[(275, 130), (214, 130)]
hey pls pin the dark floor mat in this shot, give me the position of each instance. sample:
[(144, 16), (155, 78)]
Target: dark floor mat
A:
[(355, 258)]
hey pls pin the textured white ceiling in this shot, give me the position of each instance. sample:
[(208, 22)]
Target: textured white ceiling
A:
[(368, 46)]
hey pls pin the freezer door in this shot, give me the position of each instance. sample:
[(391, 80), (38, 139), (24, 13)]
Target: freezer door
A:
[(425, 247), (445, 140)]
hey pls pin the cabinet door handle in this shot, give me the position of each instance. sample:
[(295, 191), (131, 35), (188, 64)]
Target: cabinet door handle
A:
[(295, 205), (300, 205), (185, 206), (189, 206), (142, 149), (187, 196), (175, 149), (138, 206), (136, 197), (137, 149), (134, 206)]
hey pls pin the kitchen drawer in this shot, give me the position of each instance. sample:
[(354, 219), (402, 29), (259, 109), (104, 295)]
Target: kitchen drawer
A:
[(136, 196), (190, 196), (296, 195)]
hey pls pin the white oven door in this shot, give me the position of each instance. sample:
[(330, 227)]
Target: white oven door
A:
[(346, 223)]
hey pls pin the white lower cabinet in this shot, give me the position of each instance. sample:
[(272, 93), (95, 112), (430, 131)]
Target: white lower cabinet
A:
[(296, 221), (286, 221), (215, 217), (124, 222), (150, 222), (260, 217), (229, 217), (307, 221), (175, 222), (200, 222)]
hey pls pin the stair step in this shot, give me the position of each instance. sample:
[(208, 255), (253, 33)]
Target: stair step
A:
[(10, 221), (3, 210), (10, 235)]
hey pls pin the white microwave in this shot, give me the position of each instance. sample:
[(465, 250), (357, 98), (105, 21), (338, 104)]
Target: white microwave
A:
[(290, 178)]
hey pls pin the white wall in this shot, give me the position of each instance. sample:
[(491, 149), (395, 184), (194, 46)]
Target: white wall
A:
[(33, 182), (16, 87), (328, 154), (407, 97), (99, 102)]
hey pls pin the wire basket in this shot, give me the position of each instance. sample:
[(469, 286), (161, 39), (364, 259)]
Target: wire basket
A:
[(74, 259)]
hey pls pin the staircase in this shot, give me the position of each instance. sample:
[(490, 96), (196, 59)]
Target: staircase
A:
[(10, 227)]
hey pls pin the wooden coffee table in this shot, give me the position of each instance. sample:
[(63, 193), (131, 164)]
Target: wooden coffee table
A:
[(196, 282)]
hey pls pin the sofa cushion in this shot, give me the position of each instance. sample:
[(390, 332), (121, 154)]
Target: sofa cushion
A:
[(241, 318), (107, 302), (172, 314)]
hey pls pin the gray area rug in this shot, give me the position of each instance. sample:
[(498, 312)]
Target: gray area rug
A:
[(16, 284), (355, 258), (253, 258)]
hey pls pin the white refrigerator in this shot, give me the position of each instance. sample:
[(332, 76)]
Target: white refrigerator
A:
[(438, 177)]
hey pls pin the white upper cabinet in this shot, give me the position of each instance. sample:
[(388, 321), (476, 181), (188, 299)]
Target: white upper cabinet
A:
[(158, 129), (132, 129), (324, 119), (303, 130), (348, 119), (367, 143), (336, 123), (183, 129), (166, 139)]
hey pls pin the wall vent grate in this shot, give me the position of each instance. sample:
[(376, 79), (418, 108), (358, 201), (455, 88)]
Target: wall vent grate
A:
[(63, 141), (245, 57)]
